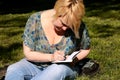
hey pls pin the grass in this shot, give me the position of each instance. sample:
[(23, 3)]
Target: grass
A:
[(11, 29), (103, 25)]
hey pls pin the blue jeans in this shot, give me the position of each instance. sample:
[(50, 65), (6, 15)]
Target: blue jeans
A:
[(24, 70)]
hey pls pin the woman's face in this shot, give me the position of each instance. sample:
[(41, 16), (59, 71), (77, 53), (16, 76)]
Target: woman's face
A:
[(60, 25)]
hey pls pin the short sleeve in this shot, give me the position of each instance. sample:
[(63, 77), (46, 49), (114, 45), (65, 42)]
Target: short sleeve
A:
[(85, 39), (29, 32)]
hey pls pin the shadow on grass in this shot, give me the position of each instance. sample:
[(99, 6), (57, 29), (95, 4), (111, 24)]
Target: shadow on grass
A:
[(19, 6), (6, 53), (103, 9), (104, 31), (14, 22), (8, 33), (11, 34), (17, 20)]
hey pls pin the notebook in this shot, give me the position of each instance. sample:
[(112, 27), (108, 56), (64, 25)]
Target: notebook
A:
[(69, 58)]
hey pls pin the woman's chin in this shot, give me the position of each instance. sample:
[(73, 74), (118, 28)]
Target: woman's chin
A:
[(59, 32)]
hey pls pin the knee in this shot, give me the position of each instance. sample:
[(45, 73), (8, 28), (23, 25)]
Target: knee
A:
[(18, 66), (56, 72), (12, 72), (61, 69), (12, 67)]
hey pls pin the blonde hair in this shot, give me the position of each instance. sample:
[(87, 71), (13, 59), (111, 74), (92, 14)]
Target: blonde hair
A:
[(72, 11)]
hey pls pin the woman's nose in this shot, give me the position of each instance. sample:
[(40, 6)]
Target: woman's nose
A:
[(64, 28)]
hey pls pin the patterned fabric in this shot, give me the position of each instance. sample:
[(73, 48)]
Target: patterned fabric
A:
[(35, 38)]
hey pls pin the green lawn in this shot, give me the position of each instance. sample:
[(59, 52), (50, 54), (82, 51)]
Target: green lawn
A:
[(104, 29), (11, 29)]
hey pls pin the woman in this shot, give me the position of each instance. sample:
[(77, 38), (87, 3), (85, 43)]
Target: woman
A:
[(50, 36)]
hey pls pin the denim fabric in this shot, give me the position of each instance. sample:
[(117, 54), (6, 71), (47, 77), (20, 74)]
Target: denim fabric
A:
[(24, 70)]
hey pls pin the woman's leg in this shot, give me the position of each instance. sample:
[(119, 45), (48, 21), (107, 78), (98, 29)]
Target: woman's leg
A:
[(22, 70), (55, 72)]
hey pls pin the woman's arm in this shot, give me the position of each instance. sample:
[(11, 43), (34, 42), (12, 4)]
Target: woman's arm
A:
[(84, 43), (80, 56), (36, 56), (41, 57), (83, 54)]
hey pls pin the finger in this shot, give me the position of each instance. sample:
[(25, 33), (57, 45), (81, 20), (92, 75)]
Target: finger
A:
[(61, 57), (61, 53)]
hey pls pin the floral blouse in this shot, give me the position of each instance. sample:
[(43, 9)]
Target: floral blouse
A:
[(34, 37)]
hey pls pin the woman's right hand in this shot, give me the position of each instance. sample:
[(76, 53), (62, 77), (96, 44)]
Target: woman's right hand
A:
[(58, 56)]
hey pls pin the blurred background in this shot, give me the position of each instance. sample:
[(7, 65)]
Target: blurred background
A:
[(23, 6), (19, 6), (102, 19)]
